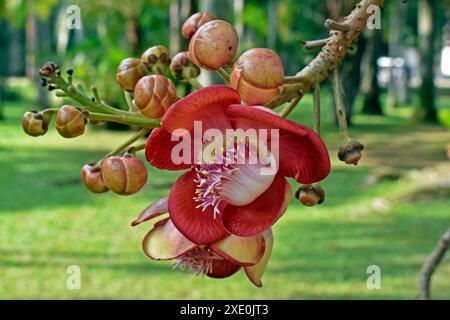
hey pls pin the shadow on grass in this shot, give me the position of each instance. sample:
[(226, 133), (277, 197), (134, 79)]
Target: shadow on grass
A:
[(327, 251), (35, 178)]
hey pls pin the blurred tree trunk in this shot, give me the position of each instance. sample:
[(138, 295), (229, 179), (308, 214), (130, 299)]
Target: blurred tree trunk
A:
[(133, 35), (174, 26), (31, 57), (272, 34), (4, 52), (425, 110), (396, 49), (369, 87), (238, 10)]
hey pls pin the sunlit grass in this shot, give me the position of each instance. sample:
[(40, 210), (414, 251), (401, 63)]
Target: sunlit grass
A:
[(48, 221)]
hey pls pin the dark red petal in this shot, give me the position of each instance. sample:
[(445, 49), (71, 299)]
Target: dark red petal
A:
[(222, 269), (302, 154), (206, 105), (158, 151), (154, 210), (262, 213), (199, 227)]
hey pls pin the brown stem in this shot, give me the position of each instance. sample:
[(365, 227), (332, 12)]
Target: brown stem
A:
[(340, 106), (331, 54), (316, 106), (286, 111), (431, 264)]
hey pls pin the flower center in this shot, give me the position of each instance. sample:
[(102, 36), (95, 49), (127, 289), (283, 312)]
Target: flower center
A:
[(209, 180), (197, 261)]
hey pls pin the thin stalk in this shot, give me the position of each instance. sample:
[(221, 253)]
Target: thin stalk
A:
[(129, 100), (122, 147), (124, 119), (225, 76), (316, 106), (340, 106), (291, 106), (194, 83)]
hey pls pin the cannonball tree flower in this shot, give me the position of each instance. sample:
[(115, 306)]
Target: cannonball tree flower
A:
[(212, 200), (219, 259)]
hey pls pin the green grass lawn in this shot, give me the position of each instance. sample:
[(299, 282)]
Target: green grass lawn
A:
[(49, 221)]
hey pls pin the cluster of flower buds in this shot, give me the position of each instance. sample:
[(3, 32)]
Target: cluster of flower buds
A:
[(124, 175)]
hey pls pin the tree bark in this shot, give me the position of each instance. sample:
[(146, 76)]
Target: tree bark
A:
[(370, 88), (426, 109)]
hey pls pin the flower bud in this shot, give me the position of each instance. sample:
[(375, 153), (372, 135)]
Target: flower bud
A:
[(156, 59), (310, 195), (214, 45), (352, 153), (70, 121), (48, 69), (194, 22), (129, 72), (92, 178), (258, 76), (35, 123), (153, 95), (124, 175), (182, 67)]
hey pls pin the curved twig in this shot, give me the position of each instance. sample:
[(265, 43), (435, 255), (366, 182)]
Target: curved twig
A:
[(431, 264), (332, 53)]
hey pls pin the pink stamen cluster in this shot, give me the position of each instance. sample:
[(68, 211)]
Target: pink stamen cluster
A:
[(197, 261), (209, 180)]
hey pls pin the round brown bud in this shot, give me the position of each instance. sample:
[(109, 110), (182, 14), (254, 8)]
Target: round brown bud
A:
[(48, 69), (194, 22), (124, 175), (70, 121), (156, 59), (214, 45), (310, 195), (129, 72), (153, 95), (35, 123), (258, 76), (91, 176), (351, 153), (182, 67)]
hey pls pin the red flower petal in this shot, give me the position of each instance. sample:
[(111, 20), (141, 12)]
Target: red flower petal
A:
[(244, 251), (222, 268), (158, 151), (262, 213), (206, 105), (165, 242), (303, 155), (255, 273), (199, 227), (154, 210)]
